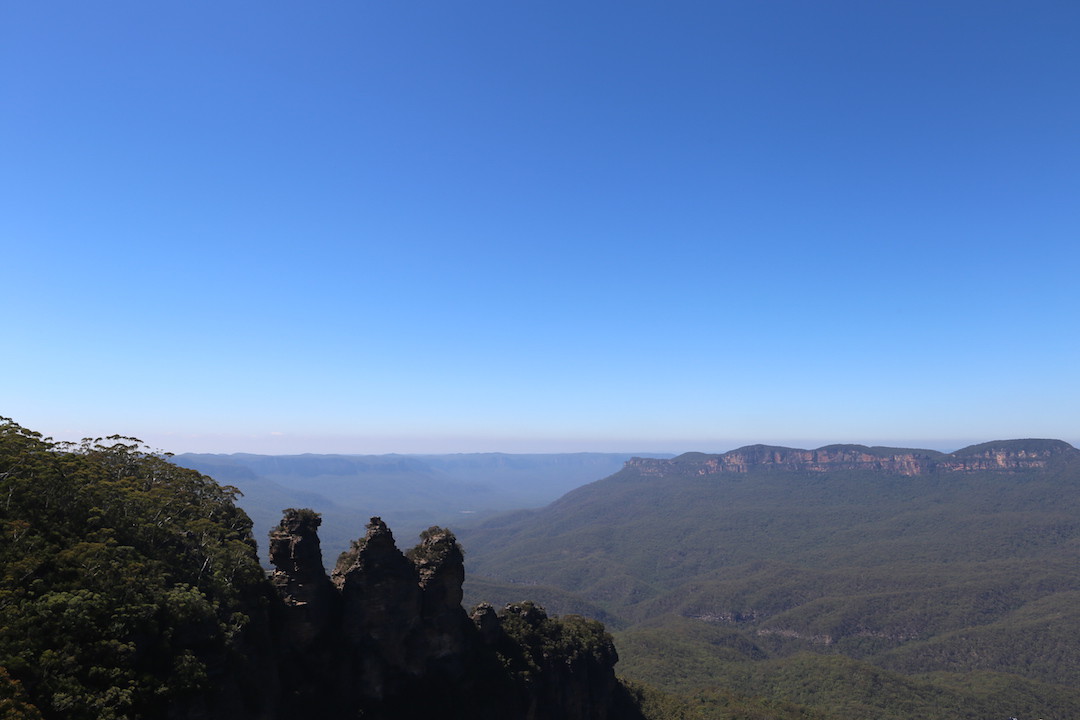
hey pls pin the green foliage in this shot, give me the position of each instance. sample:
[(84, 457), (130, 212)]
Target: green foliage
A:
[(678, 654), (1016, 696), (122, 575), (715, 704), (436, 544), (534, 641), (693, 659), (658, 705), (847, 689), (347, 558), (301, 516), (558, 601)]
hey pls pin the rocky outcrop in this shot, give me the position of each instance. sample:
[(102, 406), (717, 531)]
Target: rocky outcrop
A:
[(387, 638), (447, 631), (299, 577), (1001, 455), (307, 618), (380, 594)]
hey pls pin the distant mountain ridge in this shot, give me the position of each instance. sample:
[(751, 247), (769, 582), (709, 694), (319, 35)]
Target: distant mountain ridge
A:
[(412, 492), (995, 455)]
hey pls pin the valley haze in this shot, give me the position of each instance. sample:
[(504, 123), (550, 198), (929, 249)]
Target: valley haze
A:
[(414, 491)]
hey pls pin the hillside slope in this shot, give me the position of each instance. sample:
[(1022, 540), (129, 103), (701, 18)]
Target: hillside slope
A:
[(909, 561)]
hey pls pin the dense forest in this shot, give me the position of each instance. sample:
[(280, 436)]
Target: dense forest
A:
[(129, 586)]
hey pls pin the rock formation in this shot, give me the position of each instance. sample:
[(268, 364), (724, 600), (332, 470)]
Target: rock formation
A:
[(387, 638), (299, 577), (308, 616)]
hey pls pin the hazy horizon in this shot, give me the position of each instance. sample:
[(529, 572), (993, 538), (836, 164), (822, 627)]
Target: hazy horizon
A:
[(386, 227), (284, 444)]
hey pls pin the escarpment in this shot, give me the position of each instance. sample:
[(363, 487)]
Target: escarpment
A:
[(1005, 455), (386, 637)]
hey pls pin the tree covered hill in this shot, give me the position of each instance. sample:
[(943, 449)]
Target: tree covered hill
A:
[(129, 587), (955, 569)]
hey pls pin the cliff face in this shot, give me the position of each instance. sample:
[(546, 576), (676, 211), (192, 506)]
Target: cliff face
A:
[(308, 615), (299, 578), (387, 638), (1003, 455)]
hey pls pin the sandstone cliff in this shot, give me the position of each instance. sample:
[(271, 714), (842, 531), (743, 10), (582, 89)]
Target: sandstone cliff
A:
[(1000, 455)]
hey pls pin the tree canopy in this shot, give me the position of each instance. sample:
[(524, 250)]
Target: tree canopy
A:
[(125, 581)]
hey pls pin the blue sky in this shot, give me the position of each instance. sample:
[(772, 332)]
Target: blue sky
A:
[(559, 226)]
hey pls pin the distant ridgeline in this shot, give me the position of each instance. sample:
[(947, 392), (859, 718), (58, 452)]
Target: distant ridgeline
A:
[(1001, 455), (409, 492), (129, 588)]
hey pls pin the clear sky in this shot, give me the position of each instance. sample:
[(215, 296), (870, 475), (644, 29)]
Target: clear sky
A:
[(426, 226)]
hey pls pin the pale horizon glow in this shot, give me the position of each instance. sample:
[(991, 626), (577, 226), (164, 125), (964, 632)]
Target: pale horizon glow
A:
[(280, 443), (492, 227)]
